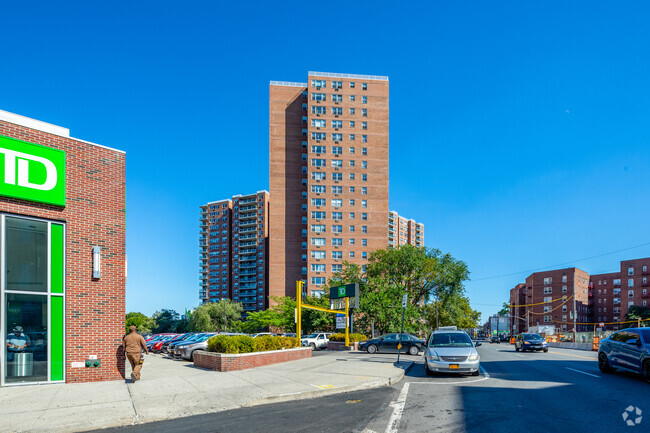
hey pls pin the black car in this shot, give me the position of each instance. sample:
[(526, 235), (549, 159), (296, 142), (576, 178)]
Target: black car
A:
[(388, 343), (628, 350), (495, 339)]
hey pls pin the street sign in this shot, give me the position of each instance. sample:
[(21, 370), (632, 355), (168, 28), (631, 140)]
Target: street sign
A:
[(404, 299), (340, 321), (602, 325)]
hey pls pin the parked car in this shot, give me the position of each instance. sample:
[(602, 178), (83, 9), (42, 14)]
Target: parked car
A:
[(495, 339), (187, 349), (388, 343), (451, 351), (288, 334), (155, 346), (530, 341), (627, 349), (317, 340), (260, 334), (179, 337), (172, 349)]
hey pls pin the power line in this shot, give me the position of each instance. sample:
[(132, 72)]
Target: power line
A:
[(561, 264)]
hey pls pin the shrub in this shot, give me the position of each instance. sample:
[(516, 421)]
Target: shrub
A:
[(246, 344), (354, 338)]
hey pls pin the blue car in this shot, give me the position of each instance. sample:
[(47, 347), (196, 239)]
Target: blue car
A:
[(627, 349)]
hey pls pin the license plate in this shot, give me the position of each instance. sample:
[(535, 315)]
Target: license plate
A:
[(454, 366)]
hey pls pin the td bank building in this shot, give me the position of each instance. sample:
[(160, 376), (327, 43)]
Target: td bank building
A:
[(328, 150), (62, 255)]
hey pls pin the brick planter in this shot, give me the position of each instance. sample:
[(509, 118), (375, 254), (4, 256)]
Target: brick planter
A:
[(242, 361), (340, 345)]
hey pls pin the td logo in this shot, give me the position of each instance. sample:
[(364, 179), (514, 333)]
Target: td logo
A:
[(342, 292), (32, 172)]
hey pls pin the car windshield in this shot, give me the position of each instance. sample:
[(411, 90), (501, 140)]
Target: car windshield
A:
[(532, 337), (450, 340), (311, 336)]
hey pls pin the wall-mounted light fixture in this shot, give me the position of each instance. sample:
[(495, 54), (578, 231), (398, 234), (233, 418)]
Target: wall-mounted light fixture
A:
[(96, 263)]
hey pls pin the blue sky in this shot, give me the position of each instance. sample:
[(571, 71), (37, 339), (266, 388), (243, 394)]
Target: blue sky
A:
[(519, 131)]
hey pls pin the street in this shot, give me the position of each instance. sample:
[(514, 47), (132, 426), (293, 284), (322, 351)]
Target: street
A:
[(561, 390)]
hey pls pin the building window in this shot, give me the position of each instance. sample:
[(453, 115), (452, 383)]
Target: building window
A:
[(630, 270), (337, 124), (564, 289), (337, 98), (337, 150), (351, 189), (351, 98), (318, 109), (364, 164), (351, 215), (548, 280), (351, 202), (364, 151), (337, 176), (318, 83), (364, 138), (564, 278), (548, 290), (337, 254), (318, 97), (548, 299), (318, 241), (337, 163), (630, 282), (364, 229), (364, 216), (337, 216), (364, 178), (318, 175), (337, 242), (351, 176), (318, 281), (318, 254), (318, 228), (351, 84), (337, 202), (364, 125), (318, 189), (337, 111), (364, 86), (336, 85), (317, 268), (351, 254), (319, 123), (364, 203), (364, 112), (351, 230), (352, 110), (319, 215), (337, 229)]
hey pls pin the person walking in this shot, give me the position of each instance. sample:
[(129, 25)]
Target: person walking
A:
[(133, 345)]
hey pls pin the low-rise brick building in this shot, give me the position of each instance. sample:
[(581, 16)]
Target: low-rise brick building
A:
[(62, 236)]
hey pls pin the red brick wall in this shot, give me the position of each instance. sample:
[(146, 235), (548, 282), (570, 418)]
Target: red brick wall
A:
[(95, 216), (227, 362)]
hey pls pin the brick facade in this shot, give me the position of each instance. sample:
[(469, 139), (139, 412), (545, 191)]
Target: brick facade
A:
[(94, 215)]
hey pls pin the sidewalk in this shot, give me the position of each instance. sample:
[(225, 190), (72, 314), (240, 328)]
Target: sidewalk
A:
[(173, 388)]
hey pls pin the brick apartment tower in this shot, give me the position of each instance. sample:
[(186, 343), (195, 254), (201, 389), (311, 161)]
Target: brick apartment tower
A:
[(234, 250), (402, 231), (328, 151)]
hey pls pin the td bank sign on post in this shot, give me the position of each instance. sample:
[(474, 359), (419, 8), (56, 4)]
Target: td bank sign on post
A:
[(32, 172)]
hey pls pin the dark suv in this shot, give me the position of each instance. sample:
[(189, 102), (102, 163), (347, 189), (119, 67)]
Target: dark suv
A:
[(527, 341), (627, 349)]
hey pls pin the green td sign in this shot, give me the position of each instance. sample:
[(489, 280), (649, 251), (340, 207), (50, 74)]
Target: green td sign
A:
[(347, 291), (32, 172)]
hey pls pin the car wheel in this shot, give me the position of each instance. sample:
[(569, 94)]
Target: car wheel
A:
[(426, 369), (476, 373), (516, 348), (313, 346), (371, 348), (603, 364), (645, 371), (414, 350), (545, 350)]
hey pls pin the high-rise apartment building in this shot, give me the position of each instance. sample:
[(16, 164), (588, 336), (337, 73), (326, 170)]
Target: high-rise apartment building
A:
[(402, 231), (328, 141), (234, 250)]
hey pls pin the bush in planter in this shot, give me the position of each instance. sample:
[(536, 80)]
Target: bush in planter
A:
[(246, 344), (354, 338)]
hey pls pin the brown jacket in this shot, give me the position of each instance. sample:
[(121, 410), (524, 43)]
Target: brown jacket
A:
[(134, 343)]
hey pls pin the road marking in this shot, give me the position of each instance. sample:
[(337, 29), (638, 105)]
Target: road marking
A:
[(578, 371), (577, 356), (398, 410), (516, 354), (323, 386)]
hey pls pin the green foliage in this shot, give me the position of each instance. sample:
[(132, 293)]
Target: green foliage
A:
[(246, 344), (165, 321), (636, 312), (505, 311), (425, 275), (354, 338), (453, 310), (215, 316), (140, 321), (282, 316)]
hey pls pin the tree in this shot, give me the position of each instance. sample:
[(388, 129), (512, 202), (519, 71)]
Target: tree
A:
[(165, 321), (215, 316), (140, 321), (453, 311), (505, 311), (636, 312), (281, 316)]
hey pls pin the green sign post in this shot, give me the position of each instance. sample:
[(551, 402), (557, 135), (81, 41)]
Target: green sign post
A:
[(32, 172)]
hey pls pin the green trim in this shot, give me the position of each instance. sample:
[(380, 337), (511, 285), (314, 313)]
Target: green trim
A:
[(56, 258), (57, 365)]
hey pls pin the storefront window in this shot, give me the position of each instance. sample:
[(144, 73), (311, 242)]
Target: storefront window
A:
[(26, 348), (32, 310), (26, 255)]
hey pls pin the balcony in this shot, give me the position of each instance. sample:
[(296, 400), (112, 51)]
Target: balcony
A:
[(250, 230)]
